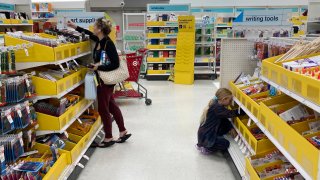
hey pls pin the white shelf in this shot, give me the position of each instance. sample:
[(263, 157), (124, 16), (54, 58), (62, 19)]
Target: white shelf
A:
[(161, 62), (67, 172), (40, 133), (237, 157), (224, 26), (274, 141), (134, 41), (204, 43), (293, 95), (202, 71), (244, 140), (61, 94), (129, 30), (21, 66)]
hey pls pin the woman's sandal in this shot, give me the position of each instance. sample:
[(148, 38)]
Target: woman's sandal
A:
[(103, 144), (123, 138)]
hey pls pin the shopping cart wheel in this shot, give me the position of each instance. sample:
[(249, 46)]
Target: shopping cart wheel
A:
[(148, 102)]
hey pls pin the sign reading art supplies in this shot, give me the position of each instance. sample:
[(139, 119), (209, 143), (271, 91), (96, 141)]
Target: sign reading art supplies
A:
[(82, 19), (264, 18), (186, 23)]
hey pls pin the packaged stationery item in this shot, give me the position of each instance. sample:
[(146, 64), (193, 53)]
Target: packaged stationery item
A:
[(295, 113), (13, 146)]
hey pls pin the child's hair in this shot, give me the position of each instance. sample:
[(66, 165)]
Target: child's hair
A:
[(220, 94)]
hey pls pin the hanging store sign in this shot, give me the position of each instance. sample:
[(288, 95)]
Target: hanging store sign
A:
[(169, 8), (82, 19), (6, 7), (264, 17)]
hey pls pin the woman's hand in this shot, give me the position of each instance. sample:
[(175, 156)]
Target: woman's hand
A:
[(71, 24), (94, 66)]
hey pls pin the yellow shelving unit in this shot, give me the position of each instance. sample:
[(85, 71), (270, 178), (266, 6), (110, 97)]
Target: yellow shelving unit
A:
[(288, 139)]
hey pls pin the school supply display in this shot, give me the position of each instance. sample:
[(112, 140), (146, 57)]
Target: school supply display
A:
[(301, 49), (83, 126), (16, 117), (53, 107), (13, 147), (36, 39), (66, 35), (255, 89), (7, 60)]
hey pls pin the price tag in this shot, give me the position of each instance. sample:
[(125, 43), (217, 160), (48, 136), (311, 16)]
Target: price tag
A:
[(239, 110), (249, 122), (26, 51), (241, 146), (29, 135), (19, 113), (79, 120), (239, 142), (95, 80), (9, 117), (36, 126), (28, 109), (66, 134), (28, 82), (21, 141), (244, 150), (237, 138)]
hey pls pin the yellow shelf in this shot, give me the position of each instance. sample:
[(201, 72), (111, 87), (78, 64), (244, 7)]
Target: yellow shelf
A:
[(306, 87), (15, 22), (162, 23), (258, 146), (163, 72), (42, 53), (162, 35), (150, 59), (251, 172), (151, 47), (51, 124), (290, 137), (60, 87), (59, 166)]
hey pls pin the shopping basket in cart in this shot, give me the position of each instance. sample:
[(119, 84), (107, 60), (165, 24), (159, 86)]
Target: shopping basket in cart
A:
[(134, 62)]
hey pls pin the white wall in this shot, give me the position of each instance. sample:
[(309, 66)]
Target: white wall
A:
[(208, 3)]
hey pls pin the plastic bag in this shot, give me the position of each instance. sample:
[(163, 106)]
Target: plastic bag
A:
[(90, 86)]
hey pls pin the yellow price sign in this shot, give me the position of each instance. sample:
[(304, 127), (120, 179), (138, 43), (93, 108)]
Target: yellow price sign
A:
[(186, 23)]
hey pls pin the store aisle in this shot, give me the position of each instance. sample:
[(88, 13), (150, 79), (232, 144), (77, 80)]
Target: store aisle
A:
[(164, 136)]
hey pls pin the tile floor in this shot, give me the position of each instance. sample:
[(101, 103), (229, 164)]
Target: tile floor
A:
[(162, 146)]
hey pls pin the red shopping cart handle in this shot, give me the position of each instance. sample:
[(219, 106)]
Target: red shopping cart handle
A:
[(143, 50)]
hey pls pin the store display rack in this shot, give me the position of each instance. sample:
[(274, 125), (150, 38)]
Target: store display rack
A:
[(55, 122), (69, 169)]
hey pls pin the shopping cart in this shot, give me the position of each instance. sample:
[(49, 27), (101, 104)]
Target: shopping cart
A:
[(134, 62)]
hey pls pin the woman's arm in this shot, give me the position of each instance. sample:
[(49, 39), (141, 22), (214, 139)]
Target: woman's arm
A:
[(80, 29), (223, 112), (113, 56), (91, 35)]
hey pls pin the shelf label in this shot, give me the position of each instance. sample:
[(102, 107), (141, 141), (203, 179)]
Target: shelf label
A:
[(24, 22), (186, 23), (170, 35), (170, 47), (171, 23), (169, 8), (1, 22)]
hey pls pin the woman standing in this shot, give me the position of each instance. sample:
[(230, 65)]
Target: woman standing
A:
[(105, 48)]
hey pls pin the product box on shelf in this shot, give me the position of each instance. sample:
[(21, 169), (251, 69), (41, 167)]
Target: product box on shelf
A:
[(52, 123), (258, 145), (159, 72), (74, 149), (59, 166), (151, 59), (43, 53), (290, 137), (52, 88), (161, 47), (304, 85)]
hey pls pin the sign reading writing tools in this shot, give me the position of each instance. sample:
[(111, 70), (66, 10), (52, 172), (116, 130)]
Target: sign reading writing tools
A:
[(264, 17)]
